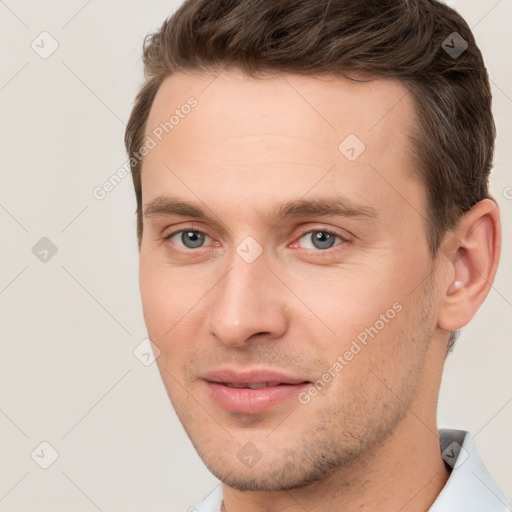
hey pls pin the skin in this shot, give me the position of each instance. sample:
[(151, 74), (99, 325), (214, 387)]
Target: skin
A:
[(368, 440)]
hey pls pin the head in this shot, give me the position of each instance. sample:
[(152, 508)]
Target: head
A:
[(314, 179)]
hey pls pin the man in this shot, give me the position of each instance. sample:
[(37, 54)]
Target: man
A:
[(314, 228)]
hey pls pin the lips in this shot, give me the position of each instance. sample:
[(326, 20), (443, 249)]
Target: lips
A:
[(251, 392)]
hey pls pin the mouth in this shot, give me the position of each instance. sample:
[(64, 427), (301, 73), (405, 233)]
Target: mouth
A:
[(256, 385), (251, 392)]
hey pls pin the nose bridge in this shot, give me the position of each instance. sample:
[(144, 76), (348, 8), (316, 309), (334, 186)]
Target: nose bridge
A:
[(245, 301)]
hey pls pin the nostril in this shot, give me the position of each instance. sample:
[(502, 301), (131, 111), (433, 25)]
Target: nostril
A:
[(263, 333)]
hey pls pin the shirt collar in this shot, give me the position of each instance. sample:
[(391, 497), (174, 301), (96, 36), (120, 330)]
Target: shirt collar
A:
[(470, 487)]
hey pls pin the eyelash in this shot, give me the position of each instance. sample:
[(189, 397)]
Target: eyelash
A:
[(326, 231)]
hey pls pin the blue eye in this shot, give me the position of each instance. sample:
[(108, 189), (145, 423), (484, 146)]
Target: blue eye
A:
[(321, 239), (190, 238), (195, 239)]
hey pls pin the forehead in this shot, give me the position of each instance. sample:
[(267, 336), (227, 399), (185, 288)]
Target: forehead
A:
[(318, 108), (282, 134)]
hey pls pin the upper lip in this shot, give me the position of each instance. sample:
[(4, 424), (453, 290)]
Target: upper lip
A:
[(241, 377)]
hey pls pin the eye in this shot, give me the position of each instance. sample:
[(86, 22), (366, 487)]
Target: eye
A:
[(189, 238), (320, 239)]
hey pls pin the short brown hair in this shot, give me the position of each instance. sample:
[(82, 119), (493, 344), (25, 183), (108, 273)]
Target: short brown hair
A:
[(401, 39), (410, 40)]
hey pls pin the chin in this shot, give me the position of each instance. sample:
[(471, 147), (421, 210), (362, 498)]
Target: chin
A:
[(285, 472)]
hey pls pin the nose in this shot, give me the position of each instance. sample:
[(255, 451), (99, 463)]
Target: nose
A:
[(247, 303)]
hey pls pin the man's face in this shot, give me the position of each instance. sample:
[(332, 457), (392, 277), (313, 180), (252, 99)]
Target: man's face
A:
[(262, 299)]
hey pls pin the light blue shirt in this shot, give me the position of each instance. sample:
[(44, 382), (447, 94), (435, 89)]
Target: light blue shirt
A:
[(470, 487)]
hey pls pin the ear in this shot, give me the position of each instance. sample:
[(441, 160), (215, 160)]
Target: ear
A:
[(471, 255)]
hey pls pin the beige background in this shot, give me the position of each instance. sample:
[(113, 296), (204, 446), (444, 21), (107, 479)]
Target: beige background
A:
[(68, 326)]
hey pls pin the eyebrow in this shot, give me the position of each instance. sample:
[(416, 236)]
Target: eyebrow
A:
[(166, 206)]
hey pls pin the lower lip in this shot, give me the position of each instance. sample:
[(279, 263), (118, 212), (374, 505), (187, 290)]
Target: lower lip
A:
[(252, 401)]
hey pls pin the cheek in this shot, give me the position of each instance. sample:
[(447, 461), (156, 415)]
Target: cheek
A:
[(172, 307), (154, 297), (345, 304), (165, 292)]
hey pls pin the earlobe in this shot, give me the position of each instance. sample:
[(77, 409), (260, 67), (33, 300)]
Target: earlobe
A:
[(470, 256)]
